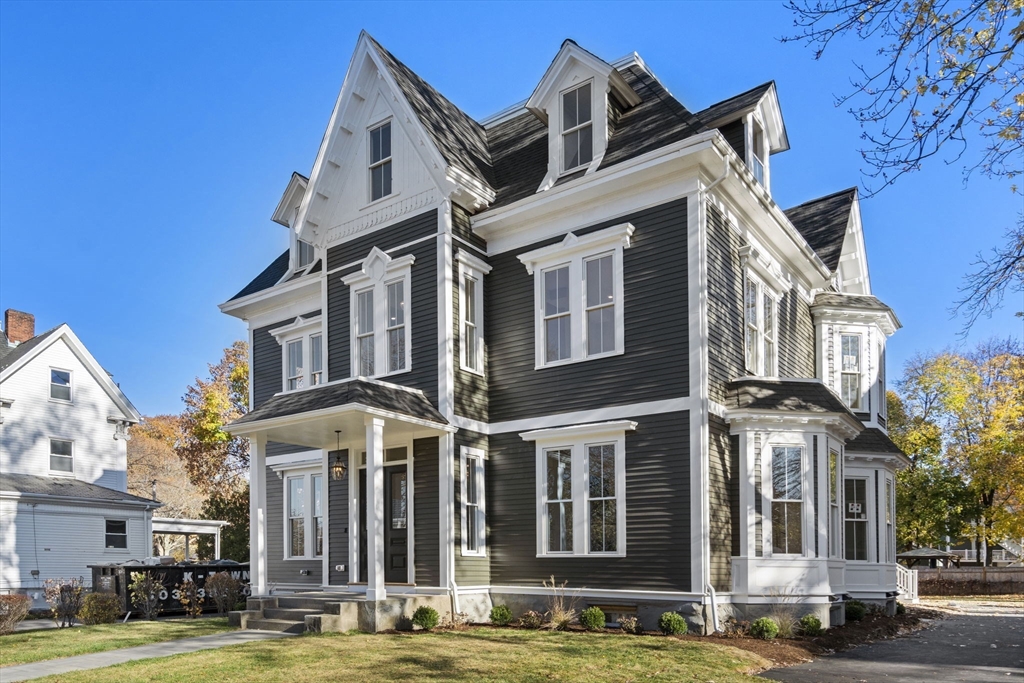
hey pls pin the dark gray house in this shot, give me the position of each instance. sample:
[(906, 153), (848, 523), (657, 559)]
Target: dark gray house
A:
[(577, 339)]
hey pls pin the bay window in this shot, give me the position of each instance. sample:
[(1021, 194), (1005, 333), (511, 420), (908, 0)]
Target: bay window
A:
[(474, 519), (581, 508), (304, 517), (834, 519), (850, 383), (787, 500), (380, 315), (856, 519), (890, 537), (578, 286)]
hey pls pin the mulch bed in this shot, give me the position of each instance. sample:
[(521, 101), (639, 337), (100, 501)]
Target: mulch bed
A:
[(786, 652)]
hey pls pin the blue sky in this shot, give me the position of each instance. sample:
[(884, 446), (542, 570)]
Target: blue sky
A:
[(144, 146)]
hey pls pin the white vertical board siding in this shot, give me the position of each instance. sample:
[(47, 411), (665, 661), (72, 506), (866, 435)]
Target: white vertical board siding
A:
[(62, 540), (33, 418)]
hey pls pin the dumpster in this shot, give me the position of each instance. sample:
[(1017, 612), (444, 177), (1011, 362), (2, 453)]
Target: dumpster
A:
[(115, 578)]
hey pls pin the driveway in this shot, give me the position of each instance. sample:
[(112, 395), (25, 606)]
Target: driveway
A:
[(977, 643)]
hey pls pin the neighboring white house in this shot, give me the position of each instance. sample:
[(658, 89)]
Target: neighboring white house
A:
[(63, 461)]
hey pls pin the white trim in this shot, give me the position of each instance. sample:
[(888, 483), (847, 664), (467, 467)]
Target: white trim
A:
[(71, 387), (577, 440), (306, 473), (669, 405), (572, 246), (601, 593), (371, 165), (50, 455), (295, 328), (286, 458), (305, 464), (471, 268), (697, 293), (378, 272), (469, 453)]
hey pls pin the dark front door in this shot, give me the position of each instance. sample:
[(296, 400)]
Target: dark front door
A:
[(396, 525)]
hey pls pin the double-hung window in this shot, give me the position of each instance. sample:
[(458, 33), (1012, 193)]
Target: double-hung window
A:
[(579, 290), (60, 385), (380, 315), (760, 313), (787, 500), (834, 519), (851, 373), (304, 253), (380, 161), (62, 457), (471, 310), (577, 127), (474, 518), (857, 519), (304, 528), (116, 534), (757, 151), (581, 507), (890, 538), (302, 352)]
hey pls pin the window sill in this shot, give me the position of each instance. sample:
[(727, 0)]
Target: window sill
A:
[(570, 361), (390, 374), (63, 474), (304, 558), (467, 553), (382, 200), (581, 555), (61, 401), (478, 373)]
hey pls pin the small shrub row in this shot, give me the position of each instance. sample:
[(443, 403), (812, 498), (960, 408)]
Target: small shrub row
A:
[(426, 617), (855, 610), (764, 628), (13, 609), (592, 618), (810, 625), (100, 608), (672, 624)]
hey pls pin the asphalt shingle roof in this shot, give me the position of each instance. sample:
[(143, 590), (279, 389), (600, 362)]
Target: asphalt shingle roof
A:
[(823, 223), (850, 301), (371, 394), (793, 395), (270, 276), (872, 440), (733, 105), (9, 356), (66, 487)]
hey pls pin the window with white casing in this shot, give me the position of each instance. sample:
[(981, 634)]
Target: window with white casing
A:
[(856, 519), (882, 400), (304, 517), (116, 534), (760, 321), (581, 480), (60, 385), (890, 537), (578, 296), (301, 352), (850, 375), (380, 161), (577, 128), (471, 311), (474, 516), (787, 500), (62, 458), (758, 155), (380, 315), (304, 253), (835, 514)]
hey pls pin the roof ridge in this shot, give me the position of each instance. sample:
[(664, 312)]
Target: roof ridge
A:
[(823, 197)]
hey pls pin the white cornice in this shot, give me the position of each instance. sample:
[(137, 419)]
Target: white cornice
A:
[(593, 430), (471, 262), (572, 245), (296, 327), (274, 297), (377, 265), (841, 424)]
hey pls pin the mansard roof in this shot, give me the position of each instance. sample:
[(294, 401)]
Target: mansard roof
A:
[(873, 440), (66, 487), (364, 393), (823, 223)]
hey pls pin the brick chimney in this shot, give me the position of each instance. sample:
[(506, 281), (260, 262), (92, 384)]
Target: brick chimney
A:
[(19, 326)]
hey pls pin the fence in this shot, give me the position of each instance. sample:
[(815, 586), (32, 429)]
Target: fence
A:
[(971, 581)]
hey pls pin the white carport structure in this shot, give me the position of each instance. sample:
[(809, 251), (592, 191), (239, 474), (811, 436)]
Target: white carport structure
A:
[(189, 528)]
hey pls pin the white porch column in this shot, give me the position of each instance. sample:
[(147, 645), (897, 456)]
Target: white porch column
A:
[(258, 514), (216, 545), (375, 508)]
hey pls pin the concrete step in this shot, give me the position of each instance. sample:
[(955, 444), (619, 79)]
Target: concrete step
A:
[(299, 601), (289, 614), (279, 625)]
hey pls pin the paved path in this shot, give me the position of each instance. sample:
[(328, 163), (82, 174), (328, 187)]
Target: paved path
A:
[(981, 645), (24, 672)]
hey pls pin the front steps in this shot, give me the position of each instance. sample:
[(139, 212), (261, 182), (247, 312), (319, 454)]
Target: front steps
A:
[(331, 612)]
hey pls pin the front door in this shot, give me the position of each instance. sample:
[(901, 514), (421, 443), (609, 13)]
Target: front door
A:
[(396, 525)]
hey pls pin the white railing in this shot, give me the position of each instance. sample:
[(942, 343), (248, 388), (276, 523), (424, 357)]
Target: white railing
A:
[(997, 555), (906, 583)]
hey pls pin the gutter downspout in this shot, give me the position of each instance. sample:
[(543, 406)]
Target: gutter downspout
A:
[(708, 588)]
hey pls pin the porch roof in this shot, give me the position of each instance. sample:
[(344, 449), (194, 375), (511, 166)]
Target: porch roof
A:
[(873, 440), (787, 395)]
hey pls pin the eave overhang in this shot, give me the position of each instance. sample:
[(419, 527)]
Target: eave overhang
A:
[(841, 424)]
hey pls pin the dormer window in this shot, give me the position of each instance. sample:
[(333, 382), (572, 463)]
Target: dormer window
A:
[(757, 152), (380, 161), (577, 128), (304, 253)]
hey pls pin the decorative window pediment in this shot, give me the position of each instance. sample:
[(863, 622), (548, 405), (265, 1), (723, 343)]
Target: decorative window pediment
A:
[(381, 317)]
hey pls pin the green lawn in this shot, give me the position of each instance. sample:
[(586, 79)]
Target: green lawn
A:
[(479, 654), (36, 646)]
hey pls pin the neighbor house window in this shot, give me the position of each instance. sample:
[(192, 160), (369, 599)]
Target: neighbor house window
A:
[(380, 161), (297, 516), (60, 384), (304, 253), (471, 310), (116, 536), (381, 316), (474, 525), (787, 500), (302, 352), (579, 296), (760, 328), (577, 128), (856, 519), (835, 520), (851, 364), (62, 456), (581, 481)]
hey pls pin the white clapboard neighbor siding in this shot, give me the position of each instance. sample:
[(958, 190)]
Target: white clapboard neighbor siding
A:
[(33, 418)]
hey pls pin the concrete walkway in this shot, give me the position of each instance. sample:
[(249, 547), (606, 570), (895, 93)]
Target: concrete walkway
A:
[(97, 660), (979, 645)]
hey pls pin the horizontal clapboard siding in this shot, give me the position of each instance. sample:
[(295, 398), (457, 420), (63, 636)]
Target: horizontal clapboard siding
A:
[(266, 376), (796, 337), (462, 228), (426, 500), (657, 514), (722, 507), (725, 305), (279, 569), (337, 524), (471, 571), (403, 232), (735, 136), (655, 363), (423, 300)]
